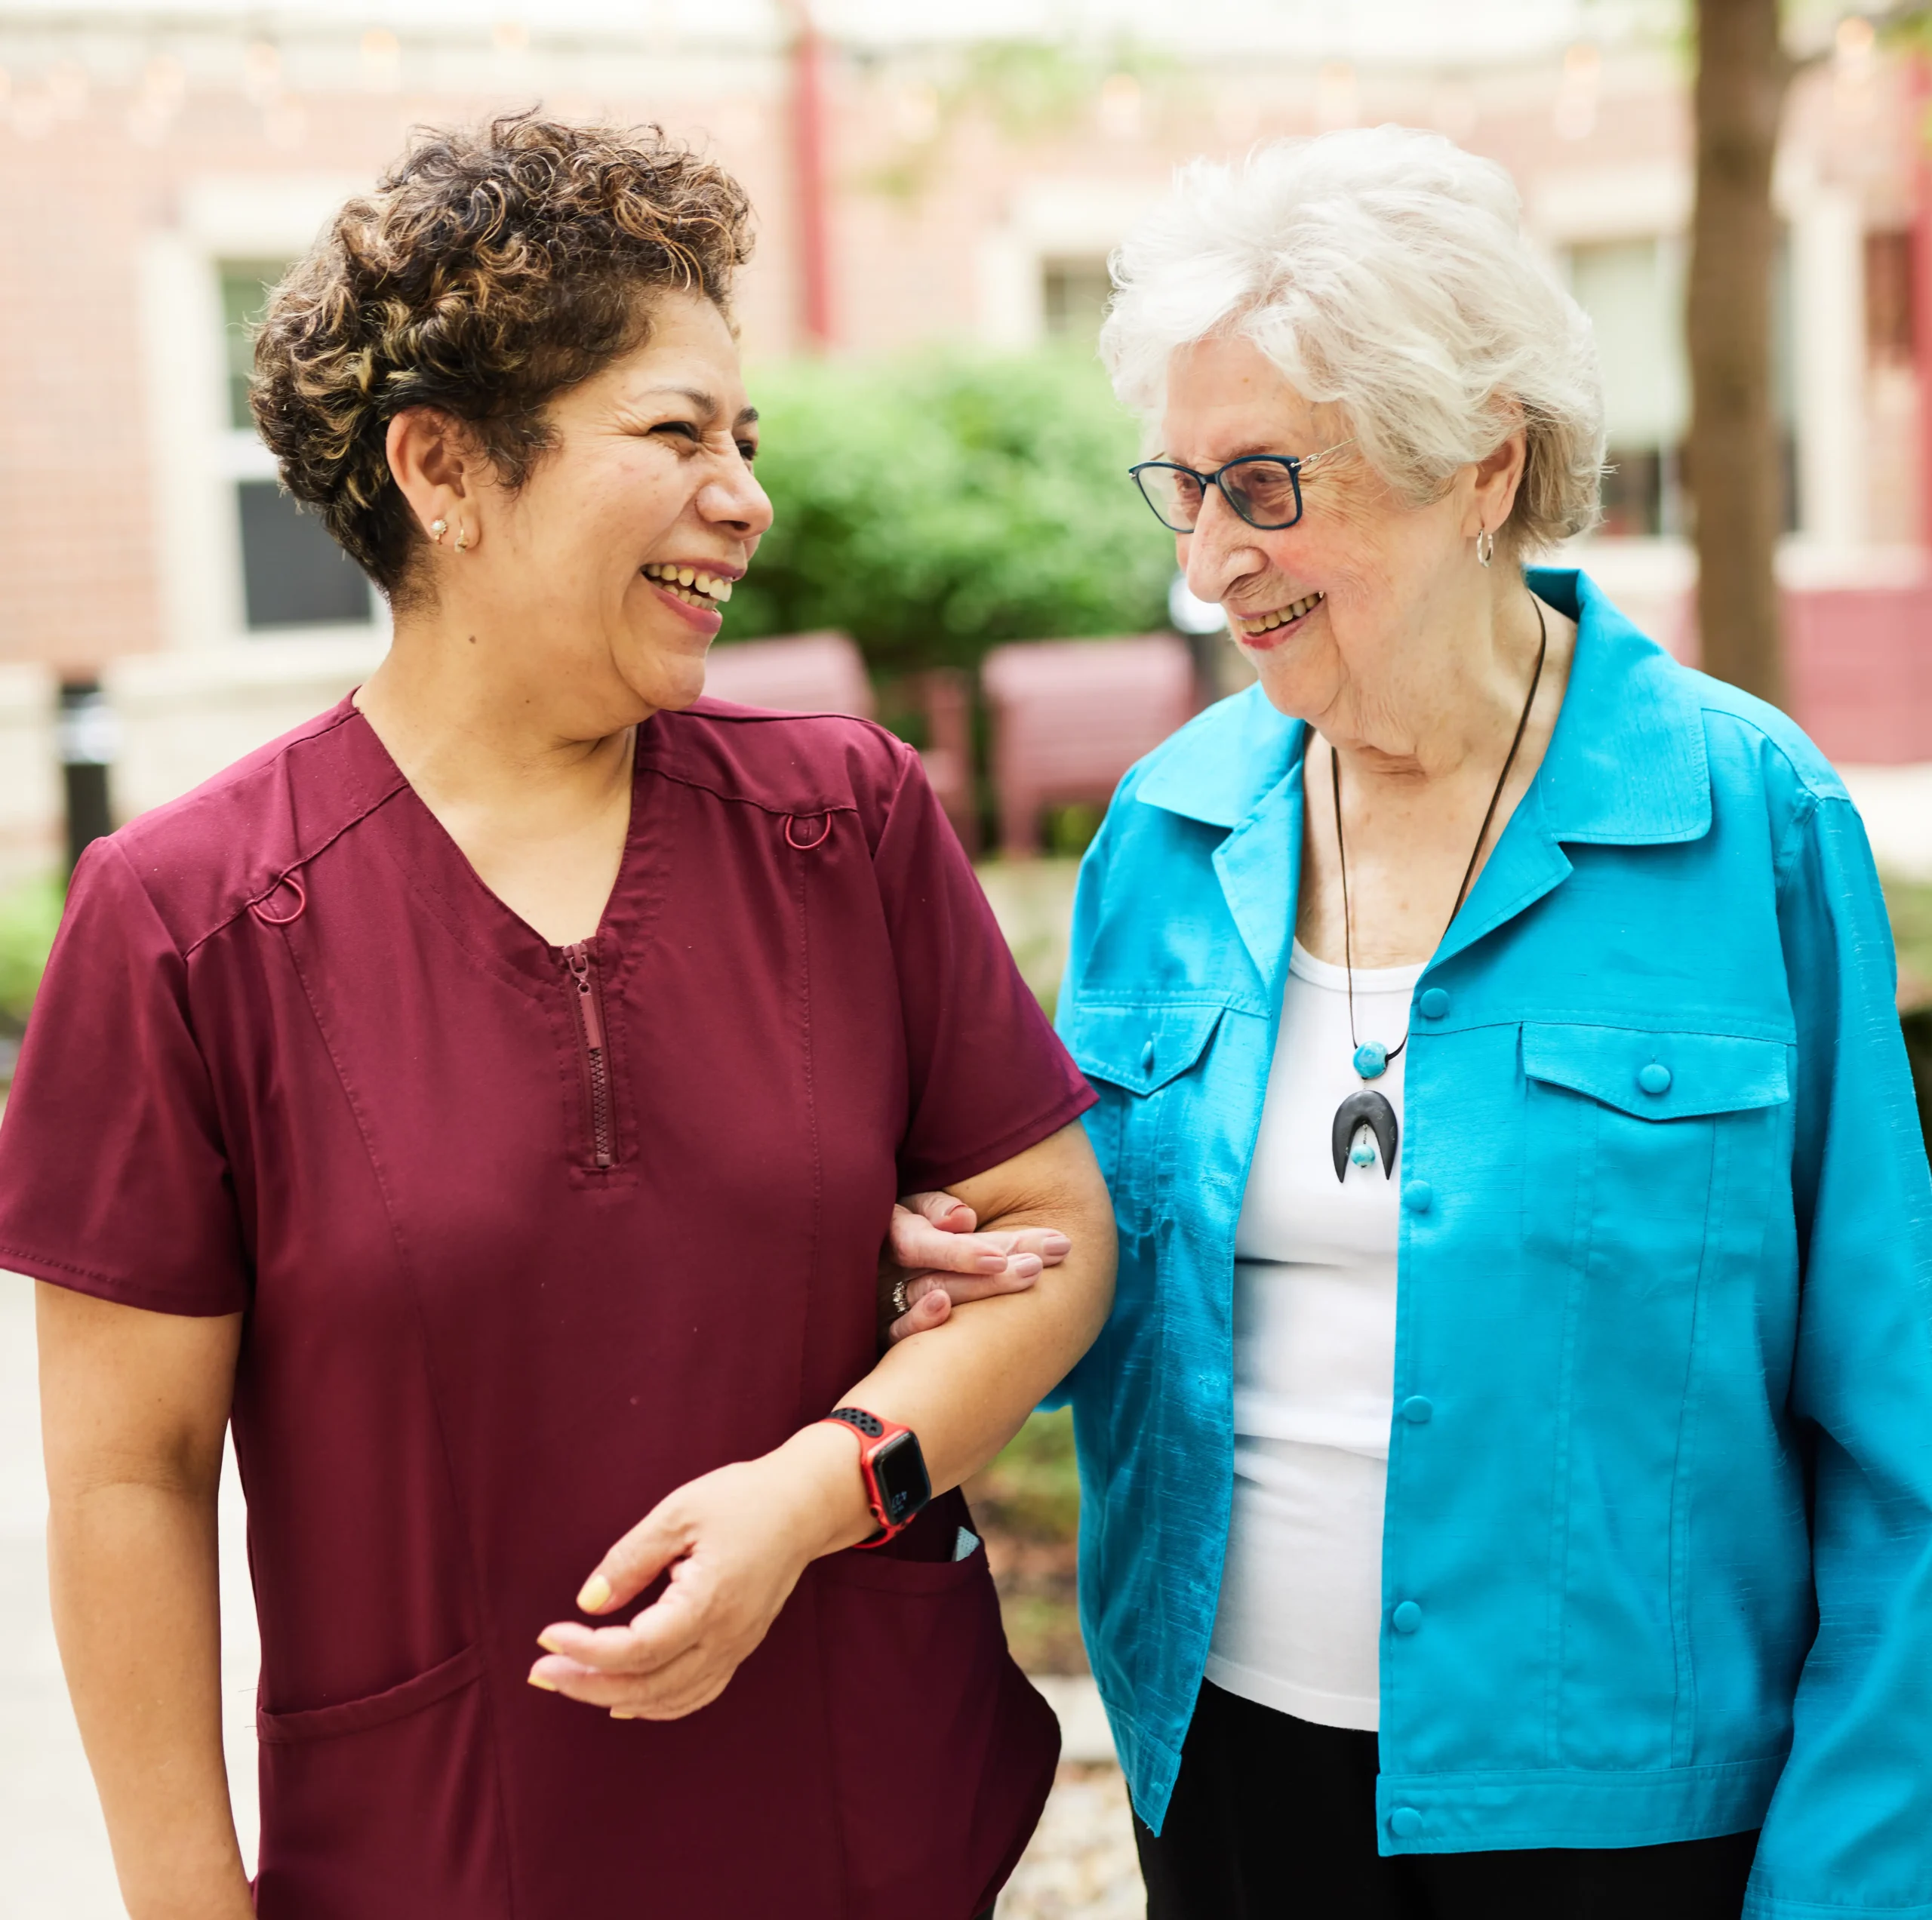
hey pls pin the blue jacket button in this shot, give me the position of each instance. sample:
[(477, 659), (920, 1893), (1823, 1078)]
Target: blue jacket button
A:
[(1405, 1822), (1655, 1078), (1417, 1411), (1434, 1004), (1418, 1195), (1407, 1617), (1147, 1058)]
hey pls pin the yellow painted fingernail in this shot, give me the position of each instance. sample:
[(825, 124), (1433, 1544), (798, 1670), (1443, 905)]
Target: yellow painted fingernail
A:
[(596, 1595), (549, 1645), (537, 1680)]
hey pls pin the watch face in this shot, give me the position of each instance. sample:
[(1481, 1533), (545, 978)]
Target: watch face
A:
[(900, 1470)]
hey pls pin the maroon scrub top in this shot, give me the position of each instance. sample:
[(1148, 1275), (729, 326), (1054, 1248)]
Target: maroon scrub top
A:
[(525, 1238)]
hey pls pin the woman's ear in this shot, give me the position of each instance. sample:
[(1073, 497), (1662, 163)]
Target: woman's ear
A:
[(435, 467), (1498, 477)]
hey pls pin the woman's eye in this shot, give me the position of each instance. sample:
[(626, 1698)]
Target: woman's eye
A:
[(748, 450), (684, 429)]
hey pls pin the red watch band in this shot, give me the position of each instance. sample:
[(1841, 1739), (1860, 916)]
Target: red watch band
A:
[(876, 1437)]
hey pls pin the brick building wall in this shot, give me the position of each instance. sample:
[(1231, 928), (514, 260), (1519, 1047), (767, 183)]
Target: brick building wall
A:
[(974, 196)]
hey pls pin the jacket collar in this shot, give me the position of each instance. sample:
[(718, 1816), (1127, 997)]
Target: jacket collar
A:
[(1223, 763), (1626, 765)]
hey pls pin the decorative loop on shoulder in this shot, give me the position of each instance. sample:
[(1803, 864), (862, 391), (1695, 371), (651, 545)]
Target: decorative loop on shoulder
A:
[(818, 840), (257, 907)]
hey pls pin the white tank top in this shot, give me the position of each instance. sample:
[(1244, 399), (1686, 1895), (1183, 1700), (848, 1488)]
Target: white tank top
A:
[(1299, 1619)]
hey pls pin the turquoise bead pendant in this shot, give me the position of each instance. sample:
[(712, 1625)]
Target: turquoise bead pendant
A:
[(1371, 1060), (1363, 1153)]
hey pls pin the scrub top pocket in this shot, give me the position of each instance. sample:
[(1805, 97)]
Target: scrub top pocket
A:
[(922, 1694)]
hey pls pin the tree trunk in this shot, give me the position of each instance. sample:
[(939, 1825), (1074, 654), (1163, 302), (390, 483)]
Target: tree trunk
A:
[(1735, 474)]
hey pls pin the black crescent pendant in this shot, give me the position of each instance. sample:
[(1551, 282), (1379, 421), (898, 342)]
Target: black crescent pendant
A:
[(1366, 1108)]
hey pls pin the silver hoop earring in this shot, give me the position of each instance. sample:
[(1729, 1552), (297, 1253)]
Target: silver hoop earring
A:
[(437, 528), (1485, 547)]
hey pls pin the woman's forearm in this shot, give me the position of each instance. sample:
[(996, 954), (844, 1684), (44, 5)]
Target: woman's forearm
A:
[(965, 1387), (136, 1611), (736, 1540)]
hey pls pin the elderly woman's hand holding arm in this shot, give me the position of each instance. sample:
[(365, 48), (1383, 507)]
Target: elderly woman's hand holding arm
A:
[(935, 1259), (736, 1540)]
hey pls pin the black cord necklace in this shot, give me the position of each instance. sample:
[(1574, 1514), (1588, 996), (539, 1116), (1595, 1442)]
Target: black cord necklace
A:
[(1368, 1108)]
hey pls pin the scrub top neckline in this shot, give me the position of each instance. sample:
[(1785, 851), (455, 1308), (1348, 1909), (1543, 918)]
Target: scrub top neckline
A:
[(477, 915)]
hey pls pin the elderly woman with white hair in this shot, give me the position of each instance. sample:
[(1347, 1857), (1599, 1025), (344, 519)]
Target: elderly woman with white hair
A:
[(1508, 1467)]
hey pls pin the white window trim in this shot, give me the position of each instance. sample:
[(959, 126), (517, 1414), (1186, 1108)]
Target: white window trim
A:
[(1050, 221), (196, 456), (1571, 207)]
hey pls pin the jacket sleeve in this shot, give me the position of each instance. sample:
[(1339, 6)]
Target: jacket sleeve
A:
[(1088, 894), (1850, 1828)]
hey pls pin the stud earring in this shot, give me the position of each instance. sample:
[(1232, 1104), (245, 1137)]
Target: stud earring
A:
[(438, 528), (1485, 547), (463, 541)]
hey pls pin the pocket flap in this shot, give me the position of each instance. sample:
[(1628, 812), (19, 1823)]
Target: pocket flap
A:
[(1139, 1047), (358, 1716), (1658, 1076)]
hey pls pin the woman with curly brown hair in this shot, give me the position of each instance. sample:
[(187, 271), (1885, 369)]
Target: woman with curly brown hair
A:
[(491, 1097)]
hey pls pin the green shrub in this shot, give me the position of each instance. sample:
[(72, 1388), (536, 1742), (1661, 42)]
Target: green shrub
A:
[(28, 915), (935, 505), (1032, 1489)]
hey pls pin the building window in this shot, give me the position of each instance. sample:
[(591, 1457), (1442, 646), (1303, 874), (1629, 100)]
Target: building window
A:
[(1073, 299), (293, 574), (1633, 291), (1888, 312)]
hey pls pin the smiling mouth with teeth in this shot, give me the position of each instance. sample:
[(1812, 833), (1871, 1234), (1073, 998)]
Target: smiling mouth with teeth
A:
[(1248, 625), (692, 585)]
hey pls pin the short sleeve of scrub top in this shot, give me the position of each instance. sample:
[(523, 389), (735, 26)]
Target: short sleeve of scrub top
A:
[(525, 1241), (124, 1190)]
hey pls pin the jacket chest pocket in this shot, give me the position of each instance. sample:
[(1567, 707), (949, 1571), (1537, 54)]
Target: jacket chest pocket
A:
[(1143, 1061), (1644, 1148), (1650, 1163)]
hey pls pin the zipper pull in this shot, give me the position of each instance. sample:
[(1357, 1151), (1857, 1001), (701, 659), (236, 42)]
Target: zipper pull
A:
[(577, 959)]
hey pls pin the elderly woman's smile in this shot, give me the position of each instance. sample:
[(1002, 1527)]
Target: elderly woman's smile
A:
[(1264, 630)]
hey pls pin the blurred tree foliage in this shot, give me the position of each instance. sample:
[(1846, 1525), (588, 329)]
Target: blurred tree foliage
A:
[(1032, 1489), (1909, 903), (28, 916), (934, 505)]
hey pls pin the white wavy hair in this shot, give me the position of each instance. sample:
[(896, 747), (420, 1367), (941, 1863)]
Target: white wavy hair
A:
[(1386, 271)]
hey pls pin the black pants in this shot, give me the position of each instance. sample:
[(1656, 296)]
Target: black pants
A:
[(1273, 1819)]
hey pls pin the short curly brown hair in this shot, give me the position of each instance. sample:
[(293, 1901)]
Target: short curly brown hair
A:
[(491, 269)]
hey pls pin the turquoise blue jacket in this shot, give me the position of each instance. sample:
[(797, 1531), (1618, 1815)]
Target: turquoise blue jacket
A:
[(1659, 1512)]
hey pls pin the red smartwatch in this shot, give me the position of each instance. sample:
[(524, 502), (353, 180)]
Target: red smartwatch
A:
[(896, 1484)]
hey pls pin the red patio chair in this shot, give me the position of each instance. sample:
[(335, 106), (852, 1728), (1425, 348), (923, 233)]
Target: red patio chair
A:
[(1071, 716)]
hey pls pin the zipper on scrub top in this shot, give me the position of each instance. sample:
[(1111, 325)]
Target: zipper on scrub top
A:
[(596, 1060)]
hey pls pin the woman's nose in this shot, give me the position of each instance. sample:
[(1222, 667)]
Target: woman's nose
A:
[(735, 500), (1219, 552)]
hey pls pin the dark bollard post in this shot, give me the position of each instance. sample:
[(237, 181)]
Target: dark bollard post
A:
[(1918, 1025), (86, 740)]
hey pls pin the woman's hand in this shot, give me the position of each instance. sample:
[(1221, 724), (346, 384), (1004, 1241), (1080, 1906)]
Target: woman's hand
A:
[(735, 1542), (932, 1248)]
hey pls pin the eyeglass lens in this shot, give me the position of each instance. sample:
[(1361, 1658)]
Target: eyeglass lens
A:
[(1174, 494), (1262, 491)]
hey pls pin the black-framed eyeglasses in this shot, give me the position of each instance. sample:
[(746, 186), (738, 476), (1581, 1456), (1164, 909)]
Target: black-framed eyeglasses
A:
[(1264, 489)]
